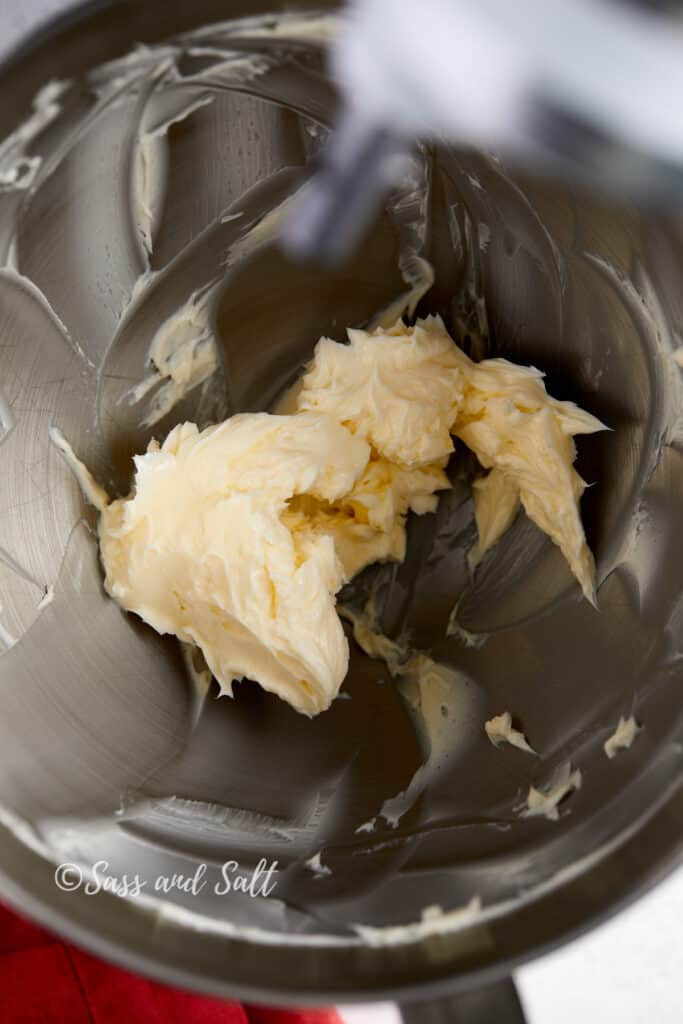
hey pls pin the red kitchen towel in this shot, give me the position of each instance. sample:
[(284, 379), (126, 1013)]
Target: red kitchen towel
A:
[(46, 981)]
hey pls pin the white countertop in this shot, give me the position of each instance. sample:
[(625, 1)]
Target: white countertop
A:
[(627, 971)]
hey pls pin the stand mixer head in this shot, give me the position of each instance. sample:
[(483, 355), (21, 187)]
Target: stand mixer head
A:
[(586, 90)]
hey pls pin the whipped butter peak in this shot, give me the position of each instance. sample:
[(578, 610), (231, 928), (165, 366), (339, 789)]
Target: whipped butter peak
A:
[(398, 388)]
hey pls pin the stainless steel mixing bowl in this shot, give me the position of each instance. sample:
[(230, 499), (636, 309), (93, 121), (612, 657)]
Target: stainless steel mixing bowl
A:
[(108, 752)]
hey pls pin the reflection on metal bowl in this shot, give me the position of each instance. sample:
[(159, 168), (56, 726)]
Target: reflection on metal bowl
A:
[(141, 178)]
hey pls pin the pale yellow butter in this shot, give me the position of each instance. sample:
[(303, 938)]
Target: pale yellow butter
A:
[(237, 538), (200, 549)]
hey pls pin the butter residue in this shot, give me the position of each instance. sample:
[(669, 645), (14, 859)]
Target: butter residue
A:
[(545, 803), (291, 25), (7, 418), (151, 160), (47, 598), (184, 351), (182, 355), (435, 921), (316, 865), (622, 737), (7, 639), (433, 691), (17, 169), (374, 643), (499, 730), (91, 490), (435, 695)]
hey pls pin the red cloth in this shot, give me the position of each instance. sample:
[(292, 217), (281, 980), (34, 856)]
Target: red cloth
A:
[(46, 981)]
